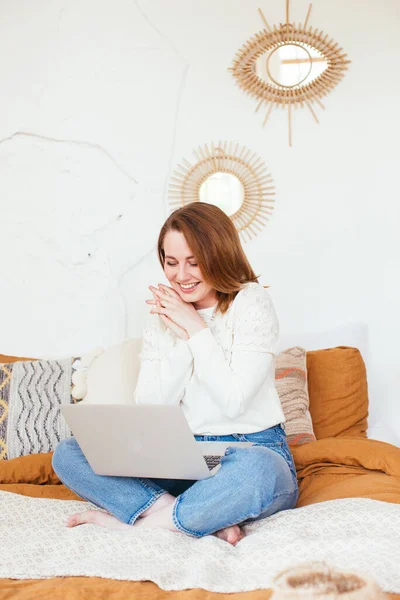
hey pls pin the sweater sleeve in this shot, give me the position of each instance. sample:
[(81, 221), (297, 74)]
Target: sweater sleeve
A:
[(255, 335), (165, 369)]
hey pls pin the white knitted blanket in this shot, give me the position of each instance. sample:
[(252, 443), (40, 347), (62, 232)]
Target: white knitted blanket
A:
[(351, 533)]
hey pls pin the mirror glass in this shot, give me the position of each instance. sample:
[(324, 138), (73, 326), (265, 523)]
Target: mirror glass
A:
[(290, 65), (224, 190)]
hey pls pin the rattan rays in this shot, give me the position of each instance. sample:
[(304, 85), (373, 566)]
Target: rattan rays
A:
[(227, 157), (272, 95)]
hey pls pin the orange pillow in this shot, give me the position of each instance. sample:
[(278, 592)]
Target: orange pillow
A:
[(338, 391)]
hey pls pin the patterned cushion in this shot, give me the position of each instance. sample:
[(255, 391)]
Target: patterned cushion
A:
[(31, 392), (291, 384)]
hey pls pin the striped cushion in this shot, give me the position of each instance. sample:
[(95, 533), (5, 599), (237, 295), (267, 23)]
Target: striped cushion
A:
[(31, 392), (291, 384)]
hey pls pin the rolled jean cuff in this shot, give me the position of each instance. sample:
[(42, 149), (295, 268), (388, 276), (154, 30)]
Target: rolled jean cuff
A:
[(177, 523), (155, 496)]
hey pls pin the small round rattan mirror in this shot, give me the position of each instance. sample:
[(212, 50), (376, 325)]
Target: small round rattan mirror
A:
[(233, 178)]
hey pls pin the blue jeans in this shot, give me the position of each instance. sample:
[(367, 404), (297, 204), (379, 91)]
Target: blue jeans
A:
[(253, 483)]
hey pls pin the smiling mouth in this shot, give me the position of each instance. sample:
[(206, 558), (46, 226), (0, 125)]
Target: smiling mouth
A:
[(191, 287)]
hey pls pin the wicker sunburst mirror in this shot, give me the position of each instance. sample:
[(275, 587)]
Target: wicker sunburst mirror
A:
[(233, 178), (289, 66)]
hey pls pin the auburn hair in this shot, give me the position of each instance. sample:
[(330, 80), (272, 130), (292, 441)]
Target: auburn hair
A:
[(215, 242)]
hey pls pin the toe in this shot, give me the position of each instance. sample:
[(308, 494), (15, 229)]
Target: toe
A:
[(233, 536), (236, 534), (72, 521), (80, 518)]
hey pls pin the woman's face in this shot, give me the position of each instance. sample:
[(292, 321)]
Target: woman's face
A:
[(181, 268)]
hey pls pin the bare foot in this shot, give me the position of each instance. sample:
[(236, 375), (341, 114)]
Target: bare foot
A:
[(99, 518), (232, 534)]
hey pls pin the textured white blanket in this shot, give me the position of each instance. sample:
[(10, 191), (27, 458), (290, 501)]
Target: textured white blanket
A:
[(353, 533)]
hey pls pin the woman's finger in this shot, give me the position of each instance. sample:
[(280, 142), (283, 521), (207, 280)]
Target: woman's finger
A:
[(169, 290), (158, 301), (155, 301), (156, 298), (165, 297), (159, 310)]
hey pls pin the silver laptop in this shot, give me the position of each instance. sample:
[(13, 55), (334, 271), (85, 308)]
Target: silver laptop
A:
[(142, 441)]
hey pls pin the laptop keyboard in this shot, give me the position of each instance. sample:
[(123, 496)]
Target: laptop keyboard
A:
[(212, 460)]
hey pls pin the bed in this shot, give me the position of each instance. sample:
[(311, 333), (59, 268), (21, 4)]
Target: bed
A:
[(333, 467)]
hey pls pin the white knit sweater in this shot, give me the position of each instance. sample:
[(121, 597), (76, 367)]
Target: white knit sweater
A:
[(224, 375)]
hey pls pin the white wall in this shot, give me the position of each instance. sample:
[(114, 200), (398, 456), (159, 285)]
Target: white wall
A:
[(99, 102)]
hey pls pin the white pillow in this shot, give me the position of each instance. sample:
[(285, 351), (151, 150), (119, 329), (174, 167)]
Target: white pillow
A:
[(108, 376)]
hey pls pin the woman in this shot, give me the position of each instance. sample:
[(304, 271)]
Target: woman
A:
[(209, 344)]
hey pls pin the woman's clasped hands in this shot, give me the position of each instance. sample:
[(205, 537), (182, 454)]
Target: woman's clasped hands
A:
[(181, 317)]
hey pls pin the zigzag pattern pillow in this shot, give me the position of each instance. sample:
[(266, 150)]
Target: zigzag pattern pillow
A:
[(31, 393)]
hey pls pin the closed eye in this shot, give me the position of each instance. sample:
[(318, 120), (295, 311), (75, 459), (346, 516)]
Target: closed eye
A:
[(174, 264)]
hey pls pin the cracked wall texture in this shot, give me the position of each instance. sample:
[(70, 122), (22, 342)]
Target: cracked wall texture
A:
[(100, 101)]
